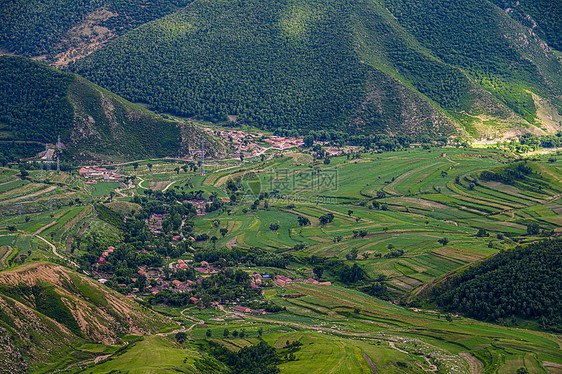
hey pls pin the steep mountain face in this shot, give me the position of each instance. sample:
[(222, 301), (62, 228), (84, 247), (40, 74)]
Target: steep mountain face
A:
[(46, 309), (38, 103), (62, 30), (544, 17), (360, 66), (480, 68)]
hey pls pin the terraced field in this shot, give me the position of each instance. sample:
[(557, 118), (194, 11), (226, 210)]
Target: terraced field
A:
[(406, 218)]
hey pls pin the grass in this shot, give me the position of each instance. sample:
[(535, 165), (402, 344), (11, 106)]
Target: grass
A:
[(103, 188), (165, 356)]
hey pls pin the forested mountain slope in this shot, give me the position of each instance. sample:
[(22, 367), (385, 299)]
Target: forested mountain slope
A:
[(46, 310), (525, 282), (543, 16), (372, 66), (51, 27), (38, 103), (477, 67)]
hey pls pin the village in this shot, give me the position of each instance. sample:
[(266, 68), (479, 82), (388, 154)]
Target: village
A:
[(95, 174), (161, 279), (245, 144)]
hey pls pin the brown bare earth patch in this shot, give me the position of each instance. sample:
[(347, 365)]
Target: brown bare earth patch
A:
[(158, 186), (474, 365), (85, 38), (102, 314), (35, 194), (5, 251), (370, 363)]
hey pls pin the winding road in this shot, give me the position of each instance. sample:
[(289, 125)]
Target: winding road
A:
[(54, 249)]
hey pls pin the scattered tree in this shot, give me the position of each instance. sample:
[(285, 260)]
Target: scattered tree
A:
[(181, 337)]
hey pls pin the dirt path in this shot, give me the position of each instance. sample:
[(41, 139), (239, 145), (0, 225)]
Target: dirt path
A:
[(44, 228), (183, 328), (54, 249), (168, 186), (370, 363), (6, 255), (229, 244), (101, 358), (398, 349)]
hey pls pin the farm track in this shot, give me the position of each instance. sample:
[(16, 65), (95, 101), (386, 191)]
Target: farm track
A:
[(54, 249), (37, 232)]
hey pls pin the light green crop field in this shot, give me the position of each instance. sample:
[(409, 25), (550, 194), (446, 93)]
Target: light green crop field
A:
[(426, 196), (152, 354)]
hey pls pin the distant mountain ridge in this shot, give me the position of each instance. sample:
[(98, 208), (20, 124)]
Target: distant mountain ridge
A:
[(39, 103)]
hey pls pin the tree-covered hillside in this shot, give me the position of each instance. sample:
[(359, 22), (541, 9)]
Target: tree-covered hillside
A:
[(525, 282), (476, 67), (39, 103), (543, 16), (40, 27), (354, 66)]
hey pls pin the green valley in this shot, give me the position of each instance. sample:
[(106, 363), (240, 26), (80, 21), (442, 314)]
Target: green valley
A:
[(332, 267), (261, 187)]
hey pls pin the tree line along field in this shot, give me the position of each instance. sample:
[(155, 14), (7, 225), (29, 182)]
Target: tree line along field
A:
[(390, 212)]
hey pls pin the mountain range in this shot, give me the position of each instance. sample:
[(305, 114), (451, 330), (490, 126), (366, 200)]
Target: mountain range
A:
[(476, 69)]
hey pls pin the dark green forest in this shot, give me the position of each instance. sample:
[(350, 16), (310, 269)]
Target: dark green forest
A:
[(380, 66), (38, 27), (33, 100), (545, 17), (524, 283), (330, 64), (242, 58)]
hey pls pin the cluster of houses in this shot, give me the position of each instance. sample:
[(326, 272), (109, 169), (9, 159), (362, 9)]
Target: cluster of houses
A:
[(205, 268), (199, 204), (156, 280), (278, 142), (251, 144), (95, 174)]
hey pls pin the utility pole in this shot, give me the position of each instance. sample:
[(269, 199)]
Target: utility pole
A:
[(41, 180)]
